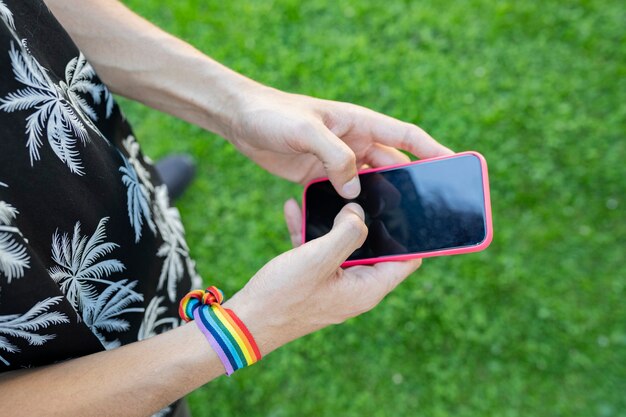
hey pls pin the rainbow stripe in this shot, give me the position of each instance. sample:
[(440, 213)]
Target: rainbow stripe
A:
[(226, 334)]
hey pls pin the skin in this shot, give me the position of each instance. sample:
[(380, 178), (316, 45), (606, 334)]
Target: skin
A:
[(293, 136)]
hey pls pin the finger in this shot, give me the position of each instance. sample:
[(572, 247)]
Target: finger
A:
[(293, 218), (393, 273), (398, 134), (371, 284), (338, 160), (346, 236), (381, 155)]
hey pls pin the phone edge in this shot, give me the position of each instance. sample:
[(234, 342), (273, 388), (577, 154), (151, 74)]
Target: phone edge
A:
[(456, 251)]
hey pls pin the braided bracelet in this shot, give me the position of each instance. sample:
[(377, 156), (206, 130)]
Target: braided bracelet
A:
[(226, 334)]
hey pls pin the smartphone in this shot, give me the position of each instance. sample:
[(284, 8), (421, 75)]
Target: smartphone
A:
[(430, 207)]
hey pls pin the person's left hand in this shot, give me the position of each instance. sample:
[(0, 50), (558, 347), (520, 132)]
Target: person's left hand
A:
[(300, 138)]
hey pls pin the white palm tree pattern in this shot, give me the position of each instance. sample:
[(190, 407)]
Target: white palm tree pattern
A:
[(7, 16), (196, 279), (105, 312), (53, 104), (59, 109), (78, 264), (79, 76), (132, 148), (151, 320), (137, 199), (26, 326), (174, 248), (14, 258), (80, 272)]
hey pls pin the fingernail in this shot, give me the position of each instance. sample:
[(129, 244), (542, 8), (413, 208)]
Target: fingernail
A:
[(352, 188), (358, 210)]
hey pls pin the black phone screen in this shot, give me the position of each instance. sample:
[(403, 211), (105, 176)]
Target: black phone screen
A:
[(424, 207)]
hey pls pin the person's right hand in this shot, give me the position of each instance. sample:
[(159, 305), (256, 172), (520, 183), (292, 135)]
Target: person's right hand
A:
[(305, 289), (301, 138)]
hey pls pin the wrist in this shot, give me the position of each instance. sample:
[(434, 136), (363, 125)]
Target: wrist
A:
[(228, 336), (225, 94), (261, 323), (241, 99)]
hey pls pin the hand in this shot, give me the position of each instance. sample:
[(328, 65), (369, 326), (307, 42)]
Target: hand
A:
[(305, 289), (300, 138)]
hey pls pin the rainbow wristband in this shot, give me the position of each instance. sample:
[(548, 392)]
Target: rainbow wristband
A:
[(226, 334)]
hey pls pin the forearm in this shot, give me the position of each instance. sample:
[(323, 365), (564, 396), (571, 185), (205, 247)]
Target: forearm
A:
[(135, 380), (140, 61)]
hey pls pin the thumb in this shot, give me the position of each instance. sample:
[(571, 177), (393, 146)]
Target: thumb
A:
[(339, 162), (346, 236)]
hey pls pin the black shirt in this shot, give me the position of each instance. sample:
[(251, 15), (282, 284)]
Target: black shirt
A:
[(92, 255)]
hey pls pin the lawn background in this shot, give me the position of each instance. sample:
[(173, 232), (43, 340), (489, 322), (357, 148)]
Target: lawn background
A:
[(534, 326)]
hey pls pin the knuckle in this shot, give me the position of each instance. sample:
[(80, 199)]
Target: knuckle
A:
[(411, 136), (302, 126), (355, 228), (345, 160), (305, 255), (350, 159)]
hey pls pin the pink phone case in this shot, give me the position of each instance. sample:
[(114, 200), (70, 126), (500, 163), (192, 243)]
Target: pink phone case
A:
[(440, 252)]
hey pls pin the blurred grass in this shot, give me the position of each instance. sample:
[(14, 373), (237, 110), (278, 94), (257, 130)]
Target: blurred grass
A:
[(534, 326)]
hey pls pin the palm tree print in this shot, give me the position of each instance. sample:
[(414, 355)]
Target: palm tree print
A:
[(137, 199), (59, 109), (132, 148), (7, 16), (151, 320), (78, 264), (174, 248), (14, 258), (79, 76), (104, 313), (26, 326), (196, 279)]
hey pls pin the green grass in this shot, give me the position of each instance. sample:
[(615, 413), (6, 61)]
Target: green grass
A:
[(535, 325)]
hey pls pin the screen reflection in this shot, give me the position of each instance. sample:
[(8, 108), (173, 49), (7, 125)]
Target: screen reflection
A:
[(418, 208)]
